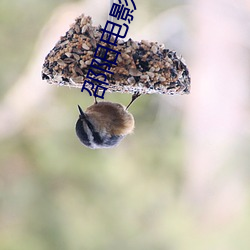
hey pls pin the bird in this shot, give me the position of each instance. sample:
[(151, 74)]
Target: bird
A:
[(104, 124)]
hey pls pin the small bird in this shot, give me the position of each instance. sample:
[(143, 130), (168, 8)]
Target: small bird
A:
[(104, 124)]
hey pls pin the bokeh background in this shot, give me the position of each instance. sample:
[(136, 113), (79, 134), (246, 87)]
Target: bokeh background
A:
[(180, 182)]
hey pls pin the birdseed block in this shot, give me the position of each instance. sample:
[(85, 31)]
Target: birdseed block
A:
[(144, 67)]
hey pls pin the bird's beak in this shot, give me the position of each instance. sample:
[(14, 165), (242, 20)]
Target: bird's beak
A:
[(82, 115)]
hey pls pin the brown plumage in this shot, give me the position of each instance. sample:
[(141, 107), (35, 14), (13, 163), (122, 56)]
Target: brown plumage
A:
[(104, 125), (111, 117)]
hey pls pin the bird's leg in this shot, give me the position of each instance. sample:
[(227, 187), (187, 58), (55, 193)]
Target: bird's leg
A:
[(94, 96), (134, 97)]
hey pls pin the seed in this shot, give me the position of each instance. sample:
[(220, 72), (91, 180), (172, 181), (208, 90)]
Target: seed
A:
[(154, 49), (134, 72), (119, 59), (145, 42), (77, 29), (131, 80), (125, 56), (77, 57), (120, 42), (144, 78), (61, 62), (135, 45), (68, 54), (88, 62), (85, 46), (150, 74), (93, 43), (78, 70), (69, 60), (77, 79), (78, 51), (64, 43)]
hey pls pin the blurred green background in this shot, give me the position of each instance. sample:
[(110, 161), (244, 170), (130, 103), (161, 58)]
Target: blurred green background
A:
[(181, 181)]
